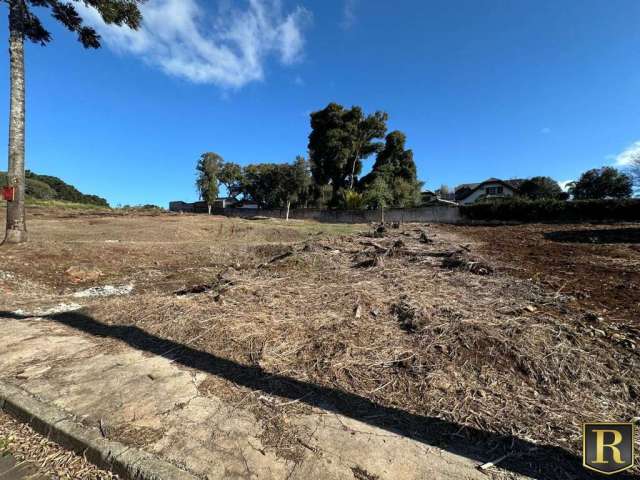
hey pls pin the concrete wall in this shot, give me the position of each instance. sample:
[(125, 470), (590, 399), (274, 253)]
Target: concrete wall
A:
[(435, 214)]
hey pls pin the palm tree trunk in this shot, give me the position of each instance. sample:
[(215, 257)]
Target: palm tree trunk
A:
[(16, 226)]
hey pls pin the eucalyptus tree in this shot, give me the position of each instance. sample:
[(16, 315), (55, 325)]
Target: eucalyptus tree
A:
[(296, 180), (208, 173), (25, 24)]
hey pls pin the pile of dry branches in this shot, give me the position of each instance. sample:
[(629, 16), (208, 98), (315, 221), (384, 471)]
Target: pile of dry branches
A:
[(410, 320)]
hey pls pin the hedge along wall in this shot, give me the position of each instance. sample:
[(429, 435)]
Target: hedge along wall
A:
[(523, 210)]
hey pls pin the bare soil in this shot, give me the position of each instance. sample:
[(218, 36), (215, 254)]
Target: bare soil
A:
[(597, 265), (513, 337)]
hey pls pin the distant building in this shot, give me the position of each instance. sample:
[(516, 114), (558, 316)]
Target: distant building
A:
[(225, 202), (181, 207), (469, 193), (427, 196), (220, 204)]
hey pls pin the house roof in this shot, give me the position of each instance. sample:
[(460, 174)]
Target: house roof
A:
[(466, 189)]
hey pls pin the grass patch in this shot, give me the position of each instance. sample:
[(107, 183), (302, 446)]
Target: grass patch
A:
[(35, 202)]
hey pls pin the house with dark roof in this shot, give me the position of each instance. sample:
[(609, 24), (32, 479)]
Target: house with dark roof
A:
[(469, 193)]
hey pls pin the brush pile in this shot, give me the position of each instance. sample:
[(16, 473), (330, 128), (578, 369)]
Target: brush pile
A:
[(413, 320)]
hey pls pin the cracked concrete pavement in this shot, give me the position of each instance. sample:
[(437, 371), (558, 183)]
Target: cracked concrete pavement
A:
[(149, 402)]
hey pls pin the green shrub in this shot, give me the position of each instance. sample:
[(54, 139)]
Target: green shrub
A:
[(353, 200), (67, 192), (39, 190), (548, 210), (46, 187)]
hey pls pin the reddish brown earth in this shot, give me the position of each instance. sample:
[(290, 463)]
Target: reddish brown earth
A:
[(598, 265)]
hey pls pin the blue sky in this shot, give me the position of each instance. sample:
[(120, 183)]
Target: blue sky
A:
[(482, 88)]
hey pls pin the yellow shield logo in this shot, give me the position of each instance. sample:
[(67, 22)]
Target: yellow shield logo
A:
[(608, 448)]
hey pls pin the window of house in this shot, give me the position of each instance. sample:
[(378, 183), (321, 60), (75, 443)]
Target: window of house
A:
[(495, 190)]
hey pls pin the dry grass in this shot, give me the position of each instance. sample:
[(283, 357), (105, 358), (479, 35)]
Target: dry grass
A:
[(431, 328), (488, 352)]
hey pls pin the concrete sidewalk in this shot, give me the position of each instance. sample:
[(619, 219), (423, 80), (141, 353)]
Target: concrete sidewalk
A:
[(150, 403)]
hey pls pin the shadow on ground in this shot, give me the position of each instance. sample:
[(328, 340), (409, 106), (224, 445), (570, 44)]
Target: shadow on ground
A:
[(614, 235), (526, 458)]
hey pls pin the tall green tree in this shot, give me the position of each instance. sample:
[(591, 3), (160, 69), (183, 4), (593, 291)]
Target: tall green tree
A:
[(230, 176), (277, 185), (395, 166), (24, 24), (606, 182), (257, 184), (295, 183), (207, 171), (537, 188), (340, 139)]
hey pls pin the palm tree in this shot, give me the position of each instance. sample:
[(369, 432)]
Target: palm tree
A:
[(24, 24)]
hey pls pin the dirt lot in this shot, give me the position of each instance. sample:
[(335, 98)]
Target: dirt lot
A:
[(599, 265), (510, 338)]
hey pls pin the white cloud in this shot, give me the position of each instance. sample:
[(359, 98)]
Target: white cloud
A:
[(230, 50), (545, 131), (629, 156), (348, 14)]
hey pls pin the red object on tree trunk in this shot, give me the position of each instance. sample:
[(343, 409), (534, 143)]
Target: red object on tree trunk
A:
[(8, 193)]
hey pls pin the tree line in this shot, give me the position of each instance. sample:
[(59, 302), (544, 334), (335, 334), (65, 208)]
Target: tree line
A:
[(340, 140), (594, 184), (270, 185)]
